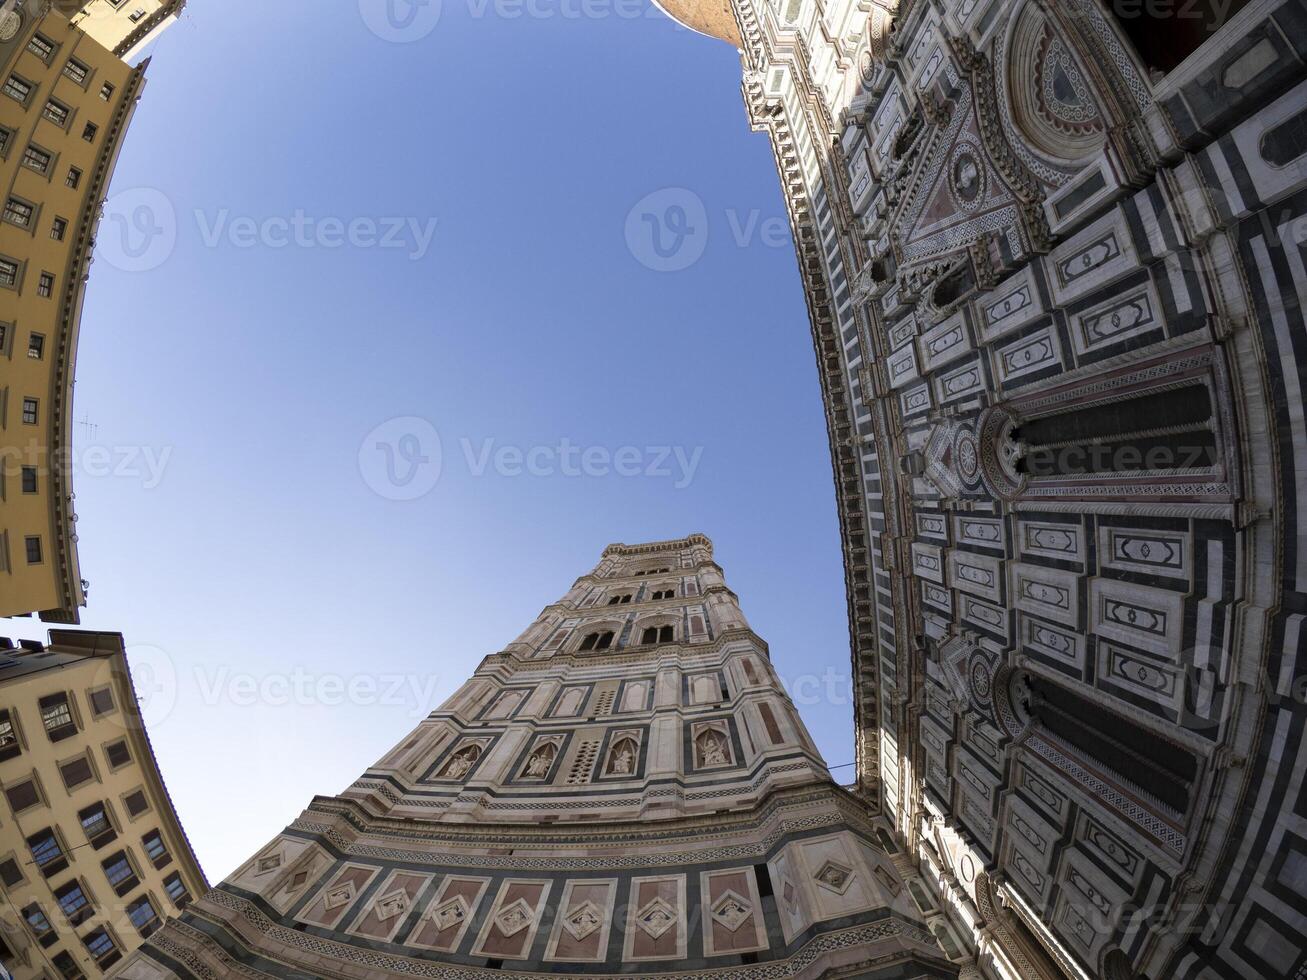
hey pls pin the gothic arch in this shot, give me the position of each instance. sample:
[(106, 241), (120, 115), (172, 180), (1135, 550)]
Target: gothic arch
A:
[(1060, 116)]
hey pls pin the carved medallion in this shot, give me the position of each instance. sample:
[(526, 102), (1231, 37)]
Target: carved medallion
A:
[(656, 918)]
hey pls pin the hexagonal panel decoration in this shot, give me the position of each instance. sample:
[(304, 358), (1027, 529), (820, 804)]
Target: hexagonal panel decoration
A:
[(731, 910), (340, 895), (451, 913), (834, 877), (656, 917), (391, 905), (583, 920), (512, 919)]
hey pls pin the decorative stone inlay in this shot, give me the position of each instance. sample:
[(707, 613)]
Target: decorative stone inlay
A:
[(270, 862), (451, 913), (338, 896), (656, 917), (512, 919), (583, 920), (391, 905), (834, 876), (731, 910)]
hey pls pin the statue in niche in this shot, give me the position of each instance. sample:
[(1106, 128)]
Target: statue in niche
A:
[(622, 761), (537, 767), (712, 750), (461, 764)]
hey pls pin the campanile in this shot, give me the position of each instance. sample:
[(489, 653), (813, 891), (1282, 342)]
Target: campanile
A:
[(624, 788)]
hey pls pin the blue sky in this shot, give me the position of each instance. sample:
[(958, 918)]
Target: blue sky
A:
[(290, 616)]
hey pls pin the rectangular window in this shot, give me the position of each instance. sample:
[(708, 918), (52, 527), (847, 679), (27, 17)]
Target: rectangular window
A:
[(59, 228), (6, 137), (77, 71), (9, 872), (136, 14), (19, 213), (101, 945), (35, 158), (106, 91), (23, 795), (143, 916), (74, 178), (117, 754), (89, 131), (18, 89), (56, 112), (35, 346), (102, 701), (67, 966), (47, 853), (29, 479), (8, 273), (175, 889), (156, 848), (9, 746), (76, 772), (45, 285), (57, 716), (136, 803), (118, 869), (73, 903), (31, 411), (40, 925), (41, 46), (32, 545), (95, 824)]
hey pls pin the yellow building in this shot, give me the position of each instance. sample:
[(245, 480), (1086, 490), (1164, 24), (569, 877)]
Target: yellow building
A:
[(65, 103), (125, 27), (92, 857)]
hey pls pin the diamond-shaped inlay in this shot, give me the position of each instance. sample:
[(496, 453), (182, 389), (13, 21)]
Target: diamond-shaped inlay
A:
[(834, 876), (451, 913), (270, 862), (338, 896), (512, 919), (389, 906), (656, 917), (732, 910), (787, 892), (582, 920)]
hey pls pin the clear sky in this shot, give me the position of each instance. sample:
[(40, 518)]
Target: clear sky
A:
[(534, 227)]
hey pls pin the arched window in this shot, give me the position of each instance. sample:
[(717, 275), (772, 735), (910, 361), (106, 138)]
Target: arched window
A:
[(657, 634), (599, 640), (619, 600), (664, 594), (633, 697)]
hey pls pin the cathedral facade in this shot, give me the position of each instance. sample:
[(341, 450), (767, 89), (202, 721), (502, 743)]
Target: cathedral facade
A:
[(625, 789), (1054, 261)]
